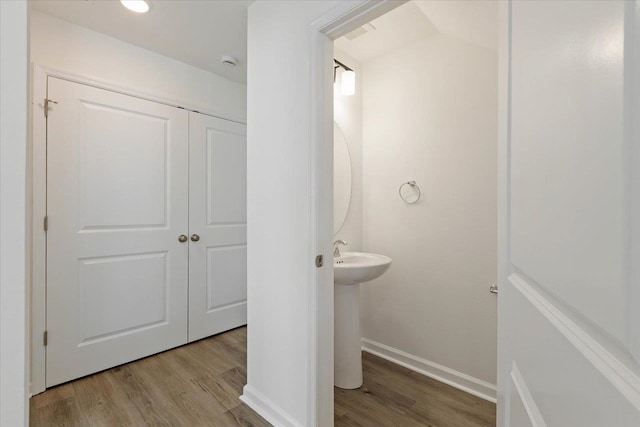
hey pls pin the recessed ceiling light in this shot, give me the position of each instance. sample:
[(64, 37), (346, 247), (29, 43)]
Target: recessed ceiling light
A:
[(138, 6)]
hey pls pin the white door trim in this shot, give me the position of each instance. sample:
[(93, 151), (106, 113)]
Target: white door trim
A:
[(38, 209), (504, 202), (117, 87), (342, 19)]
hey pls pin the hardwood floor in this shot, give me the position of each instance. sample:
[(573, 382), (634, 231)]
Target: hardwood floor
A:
[(395, 396), (194, 385), (199, 385)]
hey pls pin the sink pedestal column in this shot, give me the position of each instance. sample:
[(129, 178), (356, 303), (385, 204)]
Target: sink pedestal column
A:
[(347, 344)]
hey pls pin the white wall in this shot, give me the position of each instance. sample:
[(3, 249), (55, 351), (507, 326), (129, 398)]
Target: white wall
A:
[(68, 47), (282, 283), (430, 114), (14, 62), (347, 114)]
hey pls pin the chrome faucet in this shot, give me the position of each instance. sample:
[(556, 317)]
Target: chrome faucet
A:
[(336, 247)]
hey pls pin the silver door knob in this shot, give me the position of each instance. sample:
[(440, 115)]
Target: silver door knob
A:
[(195, 237), (182, 238)]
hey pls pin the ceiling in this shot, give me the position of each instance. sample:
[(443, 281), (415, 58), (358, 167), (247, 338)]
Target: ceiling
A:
[(199, 32), (399, 27), (474, 21), (195, 32)]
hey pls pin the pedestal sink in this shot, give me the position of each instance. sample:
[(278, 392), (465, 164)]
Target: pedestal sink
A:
[(350, 269)]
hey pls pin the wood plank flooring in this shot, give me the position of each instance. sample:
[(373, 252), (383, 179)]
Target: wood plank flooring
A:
[(199, 385), (194, 385), (394, 396)]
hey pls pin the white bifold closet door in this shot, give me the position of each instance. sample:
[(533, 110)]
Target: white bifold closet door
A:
[(218, 223), (117, 200), (120, 285)]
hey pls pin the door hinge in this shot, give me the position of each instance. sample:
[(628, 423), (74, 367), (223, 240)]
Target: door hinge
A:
[(319, 261), (46, 106), (493, 289), (45, 223), (45, 338)]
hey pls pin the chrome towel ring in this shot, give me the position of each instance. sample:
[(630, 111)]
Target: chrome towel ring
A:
[(413, 185)]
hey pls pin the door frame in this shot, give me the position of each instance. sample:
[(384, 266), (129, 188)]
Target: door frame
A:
[(37, 173), (335, 23), (504, 200), (328, 27)]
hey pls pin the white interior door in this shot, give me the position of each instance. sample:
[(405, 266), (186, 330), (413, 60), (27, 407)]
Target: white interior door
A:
[(570, 293), (218, 225), (117, 200)]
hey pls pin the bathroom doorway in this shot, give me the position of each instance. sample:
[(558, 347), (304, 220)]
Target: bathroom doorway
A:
[(415, 105)]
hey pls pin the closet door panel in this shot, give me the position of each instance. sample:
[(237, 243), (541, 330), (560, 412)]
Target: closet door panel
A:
[(117, 200), (217, 216)]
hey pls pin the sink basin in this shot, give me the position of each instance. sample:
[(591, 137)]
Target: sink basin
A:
[(352, 268)]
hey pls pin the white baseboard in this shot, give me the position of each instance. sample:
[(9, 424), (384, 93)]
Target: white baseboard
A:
[(266, 408), (464, 382)]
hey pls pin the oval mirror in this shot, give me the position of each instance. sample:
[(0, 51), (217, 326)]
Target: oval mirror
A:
[(341, 178)]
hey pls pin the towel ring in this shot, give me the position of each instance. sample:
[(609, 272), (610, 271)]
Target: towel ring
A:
[(413, 185)]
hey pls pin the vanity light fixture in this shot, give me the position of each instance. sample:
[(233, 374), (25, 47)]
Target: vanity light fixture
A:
[(138, 6), (348, 83), (347, 80)]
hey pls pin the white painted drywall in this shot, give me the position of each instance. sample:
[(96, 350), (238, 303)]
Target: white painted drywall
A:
[(472, 21), (430, 115), (347, 113), (14, 60), (281, 235), (68, 47)]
